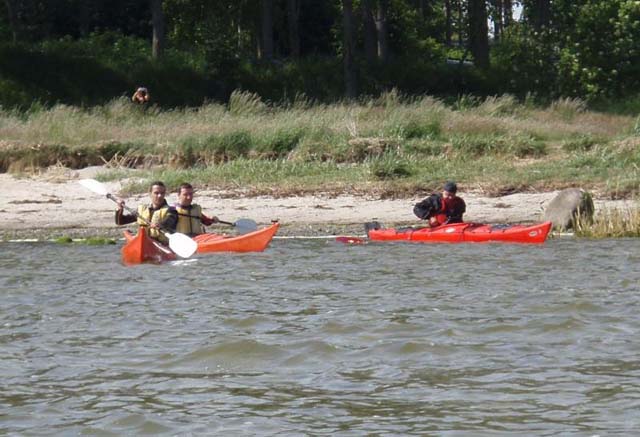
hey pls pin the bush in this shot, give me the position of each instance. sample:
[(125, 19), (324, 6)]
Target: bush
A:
[(389, 166)]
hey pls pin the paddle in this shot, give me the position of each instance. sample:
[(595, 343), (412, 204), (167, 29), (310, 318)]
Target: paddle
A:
[(181, 244), (243, 226)]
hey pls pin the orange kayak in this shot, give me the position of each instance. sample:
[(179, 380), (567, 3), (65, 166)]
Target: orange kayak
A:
[(466, 233), (141, 248), (255, 241)]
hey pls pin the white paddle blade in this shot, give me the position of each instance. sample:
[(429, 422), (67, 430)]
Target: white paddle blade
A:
[(244, 226), (182, 245), (95, 186)]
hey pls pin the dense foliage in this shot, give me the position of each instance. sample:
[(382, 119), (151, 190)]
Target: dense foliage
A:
[(86, 53)]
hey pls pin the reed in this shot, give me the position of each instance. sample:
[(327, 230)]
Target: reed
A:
[(614, 223), (403, 141)]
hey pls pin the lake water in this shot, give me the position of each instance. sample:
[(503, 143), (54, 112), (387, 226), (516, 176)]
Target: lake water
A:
[(314, 337)]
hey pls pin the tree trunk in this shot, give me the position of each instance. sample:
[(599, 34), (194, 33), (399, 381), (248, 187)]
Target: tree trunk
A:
[(448, 30), (85, 17), (14, 24), (369, 28), (293, 13), (541, 12), (460, 25), (267, 29), (497, 19), (158, 24), (382, 30), (507, 13), (424, 7), (349, 50), (479, 33)]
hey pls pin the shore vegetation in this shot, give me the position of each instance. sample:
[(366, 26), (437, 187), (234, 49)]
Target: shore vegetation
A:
[(391, 146)]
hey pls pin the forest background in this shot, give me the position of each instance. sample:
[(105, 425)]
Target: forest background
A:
[(188, 52), (290, 97)]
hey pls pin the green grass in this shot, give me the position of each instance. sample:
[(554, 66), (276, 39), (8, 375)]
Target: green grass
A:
[(391, 144), (611, 223)]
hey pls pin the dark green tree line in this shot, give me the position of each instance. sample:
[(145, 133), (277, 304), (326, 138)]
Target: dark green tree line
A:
[(582, 48)]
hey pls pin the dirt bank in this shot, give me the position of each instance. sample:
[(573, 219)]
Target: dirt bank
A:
[(55, 204)]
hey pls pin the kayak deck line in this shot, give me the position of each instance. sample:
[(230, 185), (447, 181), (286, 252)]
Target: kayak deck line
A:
[(310, 237)]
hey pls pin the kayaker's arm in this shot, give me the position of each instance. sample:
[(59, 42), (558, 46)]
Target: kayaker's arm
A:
[(123, 218), (170, 222), (208, 221)]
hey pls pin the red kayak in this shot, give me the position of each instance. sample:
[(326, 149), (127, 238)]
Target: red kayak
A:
[(141, 248), (255, 241), (464, 233)]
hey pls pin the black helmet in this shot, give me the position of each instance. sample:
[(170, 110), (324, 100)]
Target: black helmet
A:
[(450, 187)]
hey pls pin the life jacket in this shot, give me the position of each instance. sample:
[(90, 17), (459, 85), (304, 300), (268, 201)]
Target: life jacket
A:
[(441, 216), (146, 215), (189, 220), (451, 211)]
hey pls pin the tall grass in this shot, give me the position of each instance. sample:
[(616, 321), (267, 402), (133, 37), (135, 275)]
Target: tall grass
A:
[(614, 223), (394, 141)]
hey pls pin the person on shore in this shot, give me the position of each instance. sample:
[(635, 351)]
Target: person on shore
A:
[(443, 208), (191, 220), (141, 96), (157, 216)]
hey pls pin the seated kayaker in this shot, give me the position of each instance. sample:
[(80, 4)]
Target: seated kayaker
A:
[(155, 216), (443, 208), (191, 220)]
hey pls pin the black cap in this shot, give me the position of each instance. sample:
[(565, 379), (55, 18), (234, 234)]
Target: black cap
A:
[(450, 187)]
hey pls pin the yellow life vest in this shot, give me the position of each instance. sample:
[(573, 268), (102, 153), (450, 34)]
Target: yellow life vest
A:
[(189, 220), (154, 217)]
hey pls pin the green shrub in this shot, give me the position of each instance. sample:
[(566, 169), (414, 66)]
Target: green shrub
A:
[(390, 166), (278, 143), (581, 143), (246, 103), (423, 148), (228, 146), (527, 146)]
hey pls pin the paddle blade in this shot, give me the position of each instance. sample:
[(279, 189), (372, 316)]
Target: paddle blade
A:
[(95, 186), (182, 245), (244, 226), (350, 240)]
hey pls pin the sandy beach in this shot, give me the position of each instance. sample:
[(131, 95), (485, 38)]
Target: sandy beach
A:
[(54, 204)]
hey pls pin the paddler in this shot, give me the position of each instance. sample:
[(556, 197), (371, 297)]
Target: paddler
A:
[(157, 216), (191, 220), (443, 208)]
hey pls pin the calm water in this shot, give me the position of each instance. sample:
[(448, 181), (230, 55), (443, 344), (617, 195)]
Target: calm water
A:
[(314, 337)]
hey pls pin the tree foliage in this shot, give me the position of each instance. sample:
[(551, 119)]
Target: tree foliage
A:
[(282, 48)]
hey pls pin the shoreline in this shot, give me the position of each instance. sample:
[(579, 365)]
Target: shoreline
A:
[(44, 207)]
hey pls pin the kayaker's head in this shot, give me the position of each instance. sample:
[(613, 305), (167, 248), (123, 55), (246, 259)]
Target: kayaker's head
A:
[(449, 189), (157, 192), (185, 195)]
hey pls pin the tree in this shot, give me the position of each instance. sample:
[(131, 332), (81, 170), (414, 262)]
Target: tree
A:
[(537, 12), (267, 29), (13, 19), (448, 14), (382, 30), (369, 31), (479, 33), (350, 78), (158, 23), (293, 15)]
